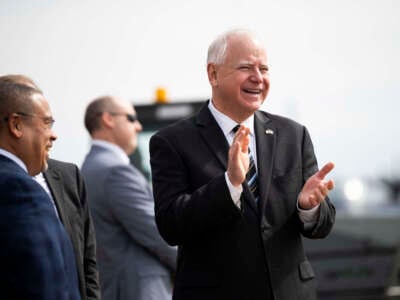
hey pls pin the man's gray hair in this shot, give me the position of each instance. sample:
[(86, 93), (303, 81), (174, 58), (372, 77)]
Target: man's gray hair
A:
[(217, 49), (15, 94)]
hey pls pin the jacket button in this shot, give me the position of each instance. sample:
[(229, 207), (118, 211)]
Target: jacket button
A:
[(263, 228)]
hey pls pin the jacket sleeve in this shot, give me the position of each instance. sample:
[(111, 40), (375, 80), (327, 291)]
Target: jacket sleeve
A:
[(327, 212), (185, 212), (89, 255), (133, 206)]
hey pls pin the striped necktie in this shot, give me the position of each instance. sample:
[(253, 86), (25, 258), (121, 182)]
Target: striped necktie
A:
[(251, 175), (252, 178)]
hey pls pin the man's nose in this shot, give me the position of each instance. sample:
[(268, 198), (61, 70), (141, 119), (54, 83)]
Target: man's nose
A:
[(256, 75), (138, 126), (53, 136)]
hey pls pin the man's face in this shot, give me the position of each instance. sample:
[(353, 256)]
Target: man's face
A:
[(242, 81), (38, 136), (126, 129)]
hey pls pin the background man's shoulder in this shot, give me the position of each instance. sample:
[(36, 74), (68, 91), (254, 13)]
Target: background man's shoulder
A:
[(62, 165)]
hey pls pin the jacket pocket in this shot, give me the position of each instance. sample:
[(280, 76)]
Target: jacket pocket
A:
[(286, 175)]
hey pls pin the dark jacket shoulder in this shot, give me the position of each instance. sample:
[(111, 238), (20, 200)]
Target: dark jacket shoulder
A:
[(278, 120), (62, 165)]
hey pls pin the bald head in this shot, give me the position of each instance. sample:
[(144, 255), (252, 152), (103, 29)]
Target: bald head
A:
[(113, 120), (95, 109)]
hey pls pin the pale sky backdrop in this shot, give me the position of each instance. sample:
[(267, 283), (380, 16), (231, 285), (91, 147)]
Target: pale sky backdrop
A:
[(335, 65)]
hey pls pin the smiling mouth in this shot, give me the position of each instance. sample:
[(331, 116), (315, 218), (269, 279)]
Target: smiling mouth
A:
[(253, 91)]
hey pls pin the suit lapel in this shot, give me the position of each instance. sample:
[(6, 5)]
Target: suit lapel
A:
[(216, 141), (54, 181), (266, 135), (213, 135)]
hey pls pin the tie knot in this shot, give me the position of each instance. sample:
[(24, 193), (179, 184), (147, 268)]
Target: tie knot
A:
[(236, 128)]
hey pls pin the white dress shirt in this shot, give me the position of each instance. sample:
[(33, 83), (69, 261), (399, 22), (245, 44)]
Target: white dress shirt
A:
[(227, 124), (42, 181)]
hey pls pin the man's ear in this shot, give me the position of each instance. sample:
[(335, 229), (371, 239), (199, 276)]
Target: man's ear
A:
[(15, 125), (107, 120), (212, 74)]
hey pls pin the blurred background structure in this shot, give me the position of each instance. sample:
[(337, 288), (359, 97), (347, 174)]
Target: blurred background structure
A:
[(334, 65)]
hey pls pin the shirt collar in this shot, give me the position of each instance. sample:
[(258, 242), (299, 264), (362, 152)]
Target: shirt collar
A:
[(113, 148), (14, 158), (226, 123)]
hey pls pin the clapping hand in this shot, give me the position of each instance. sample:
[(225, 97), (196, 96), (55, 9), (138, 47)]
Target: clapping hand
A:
[(238, 157), (316, 188)]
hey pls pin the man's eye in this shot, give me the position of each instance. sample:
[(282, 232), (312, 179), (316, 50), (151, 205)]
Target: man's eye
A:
[(49, 122), (244, 67)]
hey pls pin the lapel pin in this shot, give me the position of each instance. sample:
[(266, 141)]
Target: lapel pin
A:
[(269, 131)]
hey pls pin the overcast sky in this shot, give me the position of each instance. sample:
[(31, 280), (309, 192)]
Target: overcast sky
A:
[(335, 65)]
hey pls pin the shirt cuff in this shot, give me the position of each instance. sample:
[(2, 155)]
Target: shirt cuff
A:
[(235, 192), (308, 215)]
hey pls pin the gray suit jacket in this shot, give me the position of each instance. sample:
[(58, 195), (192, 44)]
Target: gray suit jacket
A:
[(134, 261), (69, 193)]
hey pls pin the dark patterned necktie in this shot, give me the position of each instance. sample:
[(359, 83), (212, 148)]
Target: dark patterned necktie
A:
[(251, 175)]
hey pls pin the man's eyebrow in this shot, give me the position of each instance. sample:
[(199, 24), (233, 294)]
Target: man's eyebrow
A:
[(244, 62)]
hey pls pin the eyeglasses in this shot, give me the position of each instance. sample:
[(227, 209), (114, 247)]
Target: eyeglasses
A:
[(130, 117), (48, 121)]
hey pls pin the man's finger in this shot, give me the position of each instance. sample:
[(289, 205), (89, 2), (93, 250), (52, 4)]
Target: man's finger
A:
[(313, 200), (243, 130), (235, 148), (323, 189), (330, 184), (325, 170), (243, 138)]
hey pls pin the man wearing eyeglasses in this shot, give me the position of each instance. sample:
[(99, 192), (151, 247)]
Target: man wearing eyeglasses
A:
[(134, 261), (36, 256)]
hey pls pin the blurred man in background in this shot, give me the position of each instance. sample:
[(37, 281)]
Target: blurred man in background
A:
[(134, 261), (64, 184)]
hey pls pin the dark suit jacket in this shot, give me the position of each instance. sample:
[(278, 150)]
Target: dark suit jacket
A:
[(69, 193), (36, 256), (226, 252)]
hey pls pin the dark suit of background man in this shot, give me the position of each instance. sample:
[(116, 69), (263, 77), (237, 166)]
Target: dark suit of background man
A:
[(134, 261), (238, 237), (65, 185), (36, 256)]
